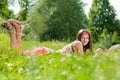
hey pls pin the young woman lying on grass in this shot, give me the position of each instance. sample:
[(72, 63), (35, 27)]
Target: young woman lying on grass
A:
[(82, 43)]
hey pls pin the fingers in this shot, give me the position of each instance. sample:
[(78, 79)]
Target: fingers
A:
[(77, 46)]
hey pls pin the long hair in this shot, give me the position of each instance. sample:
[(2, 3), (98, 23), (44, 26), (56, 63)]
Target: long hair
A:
[(89, 45)]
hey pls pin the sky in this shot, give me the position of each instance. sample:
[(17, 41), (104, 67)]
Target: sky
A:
[(15, 7), (114, 3)]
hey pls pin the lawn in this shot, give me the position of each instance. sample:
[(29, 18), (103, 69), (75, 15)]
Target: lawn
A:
[(55, 66)]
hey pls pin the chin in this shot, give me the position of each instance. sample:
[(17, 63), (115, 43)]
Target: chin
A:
[(84, 44)]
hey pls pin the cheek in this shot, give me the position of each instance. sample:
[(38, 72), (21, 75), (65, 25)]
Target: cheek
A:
[(81, 39), (87, 40)]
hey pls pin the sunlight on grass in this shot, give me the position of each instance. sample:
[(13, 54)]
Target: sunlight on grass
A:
[(55, 66)]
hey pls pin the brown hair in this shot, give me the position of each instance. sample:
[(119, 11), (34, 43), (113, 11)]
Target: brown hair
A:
[(89, 45)]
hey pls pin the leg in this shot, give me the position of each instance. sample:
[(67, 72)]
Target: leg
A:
[(18, 38), (12, 33), (18, 34), (39, 50)]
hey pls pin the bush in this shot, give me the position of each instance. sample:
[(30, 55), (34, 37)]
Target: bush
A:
[(57, 20)]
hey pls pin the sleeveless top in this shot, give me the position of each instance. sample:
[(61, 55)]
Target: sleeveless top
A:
[(67, 49)]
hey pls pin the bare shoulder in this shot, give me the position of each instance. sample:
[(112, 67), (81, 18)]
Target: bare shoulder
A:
[(76, 42)]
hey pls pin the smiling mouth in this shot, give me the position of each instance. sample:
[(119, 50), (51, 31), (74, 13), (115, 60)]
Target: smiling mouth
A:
[(84, 43)]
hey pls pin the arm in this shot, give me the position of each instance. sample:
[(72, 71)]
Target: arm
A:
[(78, 47)]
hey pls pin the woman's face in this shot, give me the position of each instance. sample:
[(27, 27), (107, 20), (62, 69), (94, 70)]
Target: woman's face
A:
[(85, 39)]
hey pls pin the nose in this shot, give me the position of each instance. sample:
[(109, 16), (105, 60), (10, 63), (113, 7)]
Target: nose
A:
[(84, 39)]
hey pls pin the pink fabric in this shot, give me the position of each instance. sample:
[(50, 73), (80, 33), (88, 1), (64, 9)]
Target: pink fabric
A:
[(39, 50)]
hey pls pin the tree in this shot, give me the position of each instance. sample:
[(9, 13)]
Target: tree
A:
[(37, 17), (66, 20), (25, 7), (57, 19), (115, 38), (4, 11), (102, 16), (105, 40)]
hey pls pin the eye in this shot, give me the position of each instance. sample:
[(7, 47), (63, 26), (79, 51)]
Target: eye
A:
[(82, 37), (87, 37)]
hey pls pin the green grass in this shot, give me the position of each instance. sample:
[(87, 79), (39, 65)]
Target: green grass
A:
[(55, 66)]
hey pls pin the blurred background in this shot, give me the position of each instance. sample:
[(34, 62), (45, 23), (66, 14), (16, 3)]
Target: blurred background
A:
[(48, 20)]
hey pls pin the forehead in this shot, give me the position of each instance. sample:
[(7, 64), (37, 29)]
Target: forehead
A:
[(85, 32), (85, 35)]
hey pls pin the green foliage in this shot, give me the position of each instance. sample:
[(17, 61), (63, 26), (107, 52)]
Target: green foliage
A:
[(1, 20), (60, 19), (2, 29), (102, 15), (66, 20), (29, 34), (105, 40), (4, 11), (25, 7), (37, 17), (22, 15), (67, 67), (14, 66), (115, 38)]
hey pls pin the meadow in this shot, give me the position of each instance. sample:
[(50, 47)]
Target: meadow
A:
[(55, 66)]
